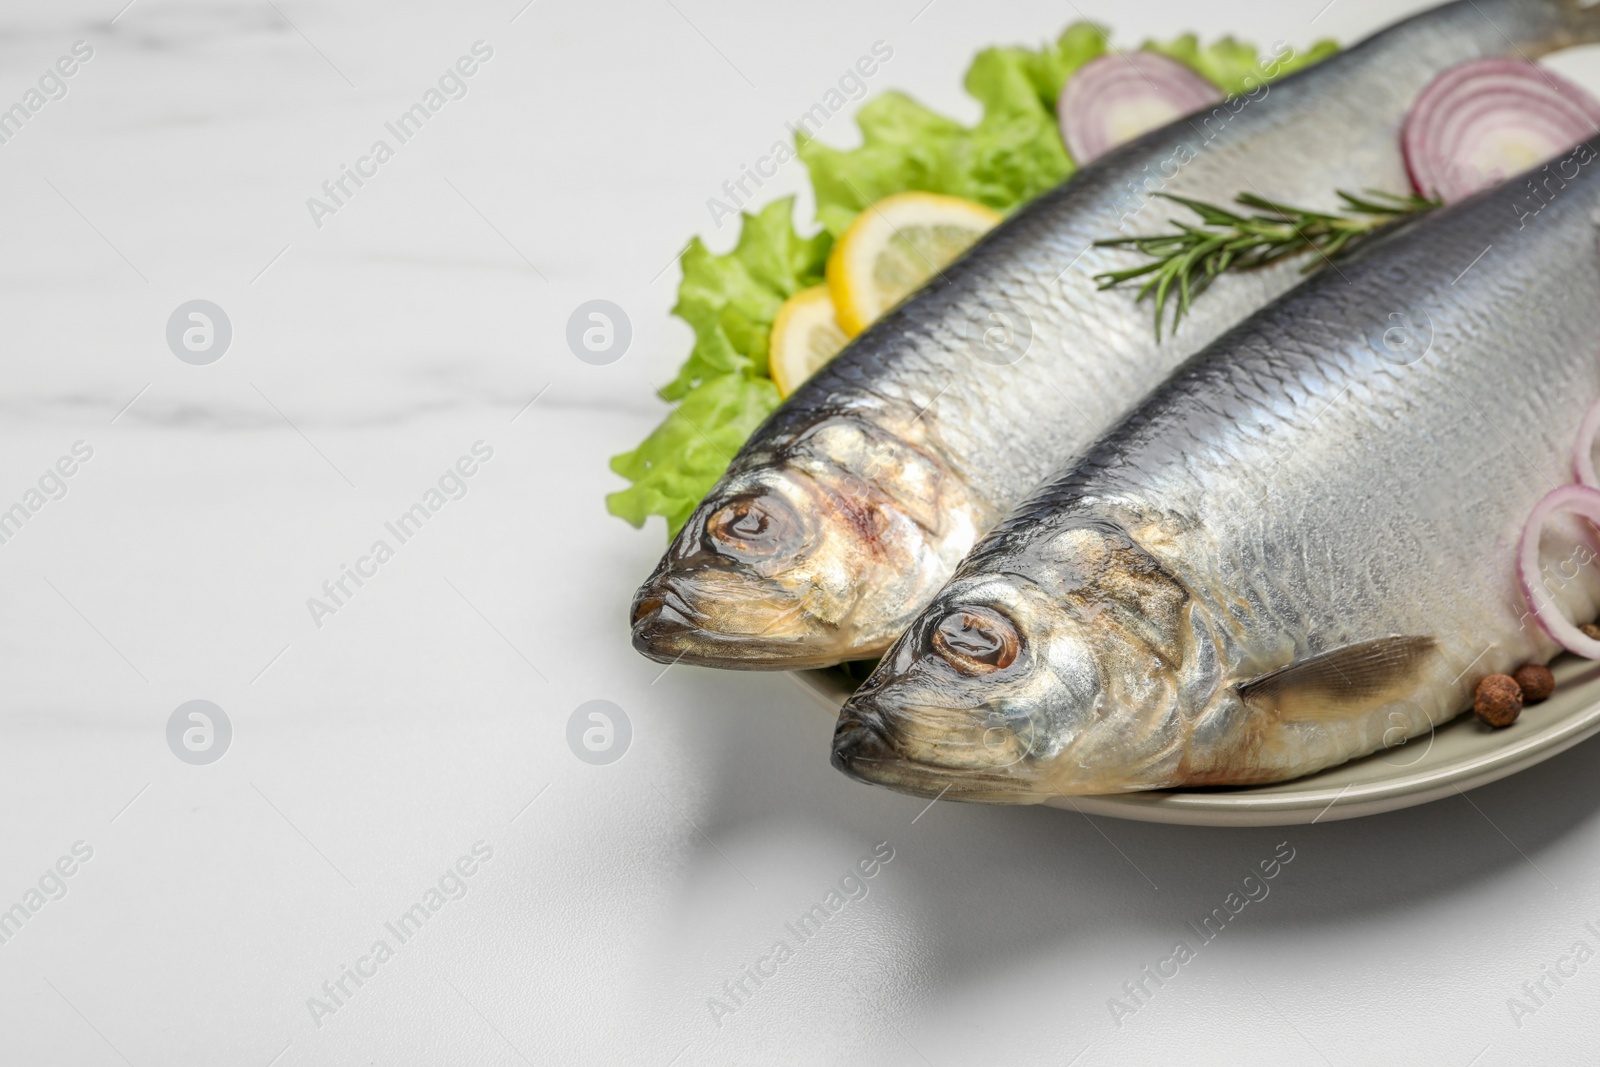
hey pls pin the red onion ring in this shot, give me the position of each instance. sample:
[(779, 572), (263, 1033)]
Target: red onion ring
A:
[(1583, 448), (1578, 500), (1485, 120), (1116, 97)]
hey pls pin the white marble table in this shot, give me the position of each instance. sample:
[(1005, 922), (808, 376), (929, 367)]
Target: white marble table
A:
[(212, 910)]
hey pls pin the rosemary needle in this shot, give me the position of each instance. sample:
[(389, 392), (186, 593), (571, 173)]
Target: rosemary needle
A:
[(1186, 261)]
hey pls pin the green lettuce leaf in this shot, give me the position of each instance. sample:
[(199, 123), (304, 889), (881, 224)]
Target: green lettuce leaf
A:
[(1234, 66), (674, 468), (723, 391), (1011, 155)]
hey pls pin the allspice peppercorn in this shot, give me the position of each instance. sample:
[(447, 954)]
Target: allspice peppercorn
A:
[(1497, 701), (1535, 681)]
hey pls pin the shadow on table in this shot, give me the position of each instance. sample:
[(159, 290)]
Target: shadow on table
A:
[(988, 887)]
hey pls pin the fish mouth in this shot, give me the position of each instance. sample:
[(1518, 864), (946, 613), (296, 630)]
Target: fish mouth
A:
[(865, 751), (667, 628)]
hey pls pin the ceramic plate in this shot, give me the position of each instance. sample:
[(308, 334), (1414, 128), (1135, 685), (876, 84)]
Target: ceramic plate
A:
[(1456, 756)]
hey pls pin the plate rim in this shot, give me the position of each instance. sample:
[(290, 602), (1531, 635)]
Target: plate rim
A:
[(1244, 807)]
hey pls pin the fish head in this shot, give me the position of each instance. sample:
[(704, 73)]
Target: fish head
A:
[(807, 556), (1060, 675)]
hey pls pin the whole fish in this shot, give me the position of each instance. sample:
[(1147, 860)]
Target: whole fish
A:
[(851, 506), (1301, 549)]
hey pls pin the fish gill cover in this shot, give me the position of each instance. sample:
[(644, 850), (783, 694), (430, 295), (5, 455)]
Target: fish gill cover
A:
[(723, 392)]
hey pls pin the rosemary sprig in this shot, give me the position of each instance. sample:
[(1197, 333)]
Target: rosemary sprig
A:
[(1187, 260)]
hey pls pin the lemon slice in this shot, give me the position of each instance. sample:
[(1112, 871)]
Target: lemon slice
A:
[(804, 337), (894, 246)]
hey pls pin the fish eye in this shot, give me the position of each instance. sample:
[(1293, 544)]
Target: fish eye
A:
[(976, 640), (754, 527)]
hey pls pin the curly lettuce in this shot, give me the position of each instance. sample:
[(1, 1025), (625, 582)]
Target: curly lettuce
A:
[(722, 391), (1013, 153), (1235, 67)]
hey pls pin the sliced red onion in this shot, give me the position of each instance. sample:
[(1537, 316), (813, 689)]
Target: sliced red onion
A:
[(1482, 121), (1583, 449), (1577, 500), (1116, 97)]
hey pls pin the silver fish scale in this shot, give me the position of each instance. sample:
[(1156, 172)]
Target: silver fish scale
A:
[(1004, 428), (1309, 492), (846, 511)]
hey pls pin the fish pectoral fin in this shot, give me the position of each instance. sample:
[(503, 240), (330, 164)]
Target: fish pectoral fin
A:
[(1340, 684)]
